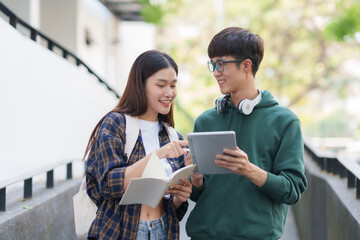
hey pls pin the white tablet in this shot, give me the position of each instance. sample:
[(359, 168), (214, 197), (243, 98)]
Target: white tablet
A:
[(204, 146)]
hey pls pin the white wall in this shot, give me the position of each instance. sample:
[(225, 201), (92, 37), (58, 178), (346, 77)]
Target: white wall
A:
[(58, 21), (27, 10), (95, 20), (19, 7), (115, 44), (48, 106), (72, 22), (135, 38)]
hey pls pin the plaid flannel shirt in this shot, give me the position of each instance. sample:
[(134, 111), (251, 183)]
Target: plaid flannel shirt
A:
[(105, 170)]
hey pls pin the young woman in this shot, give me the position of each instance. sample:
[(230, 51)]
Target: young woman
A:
[(149, 95)]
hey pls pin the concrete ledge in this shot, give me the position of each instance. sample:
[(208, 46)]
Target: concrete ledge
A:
[(48, 215), (327, 209)]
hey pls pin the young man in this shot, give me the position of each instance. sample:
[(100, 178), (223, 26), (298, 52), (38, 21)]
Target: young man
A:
[(268, 166)]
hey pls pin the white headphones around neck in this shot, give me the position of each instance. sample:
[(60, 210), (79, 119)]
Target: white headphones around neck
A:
[(245, 106)]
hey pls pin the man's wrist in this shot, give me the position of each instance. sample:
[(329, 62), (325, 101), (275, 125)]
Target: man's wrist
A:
[(257, 176), (197, 183)]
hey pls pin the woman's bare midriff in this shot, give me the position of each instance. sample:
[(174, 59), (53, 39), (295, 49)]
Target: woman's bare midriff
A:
[(148, 213)]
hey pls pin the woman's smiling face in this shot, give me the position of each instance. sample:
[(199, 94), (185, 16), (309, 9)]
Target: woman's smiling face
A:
[(160, 92)]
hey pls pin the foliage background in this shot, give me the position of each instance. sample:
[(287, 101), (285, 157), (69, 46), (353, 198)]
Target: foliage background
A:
[(311, 62)]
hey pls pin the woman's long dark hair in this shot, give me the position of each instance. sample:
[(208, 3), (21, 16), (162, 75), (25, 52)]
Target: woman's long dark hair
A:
[(134, 100)]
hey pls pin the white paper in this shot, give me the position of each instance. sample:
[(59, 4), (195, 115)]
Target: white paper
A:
[(151, 187), (154, 168)]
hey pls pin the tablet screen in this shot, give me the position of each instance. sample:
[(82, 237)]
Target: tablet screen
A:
[(204, 146)]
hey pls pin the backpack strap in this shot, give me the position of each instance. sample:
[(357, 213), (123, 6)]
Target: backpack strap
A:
[(171, 133), (132, 133)]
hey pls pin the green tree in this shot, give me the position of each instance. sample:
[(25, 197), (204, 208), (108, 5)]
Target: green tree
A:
[(153, 11), (346, 24), (303, 60)]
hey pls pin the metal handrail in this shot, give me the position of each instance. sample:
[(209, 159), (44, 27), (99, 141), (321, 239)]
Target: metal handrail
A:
[(28, 176), (339, 165), (47, 168), (14, 20)]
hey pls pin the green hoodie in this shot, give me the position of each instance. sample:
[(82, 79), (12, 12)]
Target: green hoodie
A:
[(229, 206)]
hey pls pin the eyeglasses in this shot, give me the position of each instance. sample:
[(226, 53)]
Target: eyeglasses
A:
[(220, 64)]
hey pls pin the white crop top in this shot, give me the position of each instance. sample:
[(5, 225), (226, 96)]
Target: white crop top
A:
[(150, 137)]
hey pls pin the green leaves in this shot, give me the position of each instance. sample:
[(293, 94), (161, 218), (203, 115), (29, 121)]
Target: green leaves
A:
[(347, 23), (153, 11), (307, 52)]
